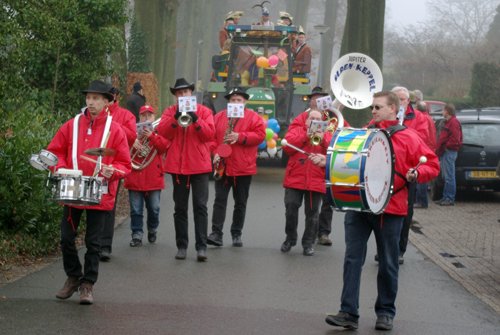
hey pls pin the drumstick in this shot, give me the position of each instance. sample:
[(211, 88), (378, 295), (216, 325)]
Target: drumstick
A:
[(285, 143), (94, 161), (421, 160)]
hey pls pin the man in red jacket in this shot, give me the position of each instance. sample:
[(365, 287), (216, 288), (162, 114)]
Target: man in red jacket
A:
[(408, 148), (188, 161), (450, 141), (243, 135), (144, 185), (417, 121), (303, 180), (126, 119), (91, 129)]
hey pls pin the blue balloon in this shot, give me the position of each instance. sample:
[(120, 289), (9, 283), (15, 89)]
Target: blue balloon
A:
[(263, 145), (273, 125)]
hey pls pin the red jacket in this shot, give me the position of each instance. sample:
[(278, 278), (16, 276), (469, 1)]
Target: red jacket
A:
[(408, 148), (431, 140), (251, 130), (189, 152), (62, 144), (301, 173), (450, 136), (302, 117), (126, 119), (152, 176), (417, 121)]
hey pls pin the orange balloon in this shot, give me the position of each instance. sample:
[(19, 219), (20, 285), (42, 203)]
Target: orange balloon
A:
[(262, 62), (271, 143)]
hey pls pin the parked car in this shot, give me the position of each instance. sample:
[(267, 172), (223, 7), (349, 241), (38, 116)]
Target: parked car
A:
[(434, 108), (479, 156)]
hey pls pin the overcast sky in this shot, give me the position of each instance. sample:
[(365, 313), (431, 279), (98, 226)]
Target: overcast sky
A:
[(405, 12)]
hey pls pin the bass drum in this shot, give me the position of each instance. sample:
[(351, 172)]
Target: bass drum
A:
[(360, 170)]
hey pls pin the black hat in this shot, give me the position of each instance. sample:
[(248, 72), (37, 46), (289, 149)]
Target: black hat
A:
[(114, 90), (137, 86), (180, 84), (98, 86), (317, 91), (237, 91)]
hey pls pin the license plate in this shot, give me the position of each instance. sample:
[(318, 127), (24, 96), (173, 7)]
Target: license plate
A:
[(482, 174)]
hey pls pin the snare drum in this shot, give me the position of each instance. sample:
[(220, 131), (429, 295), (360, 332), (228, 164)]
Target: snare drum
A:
[(76, 190), (359, 170), (48, 157)]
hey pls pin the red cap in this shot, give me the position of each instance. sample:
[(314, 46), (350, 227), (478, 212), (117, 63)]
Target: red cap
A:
[(146, 108)]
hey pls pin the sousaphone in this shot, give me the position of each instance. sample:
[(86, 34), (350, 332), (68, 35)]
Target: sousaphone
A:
[(354, 79)]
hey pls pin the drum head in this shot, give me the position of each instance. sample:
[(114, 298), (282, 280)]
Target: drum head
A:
[(48, 157), (37, 163), (378, 171)]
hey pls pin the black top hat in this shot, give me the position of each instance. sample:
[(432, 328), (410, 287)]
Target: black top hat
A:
[(98, 86), (237, 91), (317, 91), (137, 86), (180, 84)]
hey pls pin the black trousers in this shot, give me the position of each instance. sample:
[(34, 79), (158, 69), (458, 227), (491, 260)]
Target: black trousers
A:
[(69, 229), (108, 227), (325, 217), (405, 232), (293, 201), (241, 188), (182, 186)]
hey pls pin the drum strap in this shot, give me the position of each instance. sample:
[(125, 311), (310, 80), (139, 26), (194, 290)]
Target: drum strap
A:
[(74, 151), (105, 137)]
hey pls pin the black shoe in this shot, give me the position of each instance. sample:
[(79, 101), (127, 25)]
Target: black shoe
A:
[(135, 242), (376, 258), (308, 251), (202, 255), (446, 203), (342, 319), (384, 322), (105, 256), (152, 237), (286, 246), (181, 254), (214, 239), (237, 241)]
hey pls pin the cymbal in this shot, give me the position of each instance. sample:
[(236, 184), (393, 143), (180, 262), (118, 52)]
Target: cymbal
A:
[(100, 152)]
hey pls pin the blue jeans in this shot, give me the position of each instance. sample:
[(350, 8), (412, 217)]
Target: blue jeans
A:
[(387, 230), (448, 170), (137, 200)]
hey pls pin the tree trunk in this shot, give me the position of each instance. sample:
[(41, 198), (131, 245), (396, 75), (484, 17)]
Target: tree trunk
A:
[(330, 20)]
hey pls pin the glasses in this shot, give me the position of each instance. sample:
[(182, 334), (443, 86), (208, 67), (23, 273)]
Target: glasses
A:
[(377, 107)]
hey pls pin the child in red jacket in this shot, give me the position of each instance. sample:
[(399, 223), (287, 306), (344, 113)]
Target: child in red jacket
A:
[(146, 180)]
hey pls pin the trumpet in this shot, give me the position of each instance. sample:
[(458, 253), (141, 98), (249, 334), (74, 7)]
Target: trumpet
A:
[(185, 120), (315, 139), (144, 155)]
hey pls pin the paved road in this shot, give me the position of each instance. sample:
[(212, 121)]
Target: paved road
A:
[(251, 290)]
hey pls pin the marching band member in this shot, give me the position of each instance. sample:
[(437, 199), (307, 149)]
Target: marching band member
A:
[(188, 161), (244, 136), (145, 185), (303, 180), (126, 119), (408, 148), (91, 129)]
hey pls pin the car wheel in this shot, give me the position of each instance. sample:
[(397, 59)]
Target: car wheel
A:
[(437, 189)]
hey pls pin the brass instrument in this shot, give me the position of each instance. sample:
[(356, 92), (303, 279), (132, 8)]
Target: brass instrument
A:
[(143, 156), (315, 139), (185, 120), (224, 150)]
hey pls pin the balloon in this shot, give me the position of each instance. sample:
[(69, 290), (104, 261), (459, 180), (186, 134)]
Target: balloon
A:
[(269, 134), (271, 144), (263, 145), (272, 151), (275, 136), (262, 62), (274, 125), (273, 60)]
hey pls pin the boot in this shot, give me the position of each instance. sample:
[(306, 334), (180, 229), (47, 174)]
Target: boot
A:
[(70, 286), (86, 297)]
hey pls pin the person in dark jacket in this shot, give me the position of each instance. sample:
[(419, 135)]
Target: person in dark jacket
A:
[(450, 140), (243, 135), (136, 100), (188, 162)]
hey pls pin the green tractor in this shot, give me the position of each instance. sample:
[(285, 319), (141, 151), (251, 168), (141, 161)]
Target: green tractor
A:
[(260, 60)]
